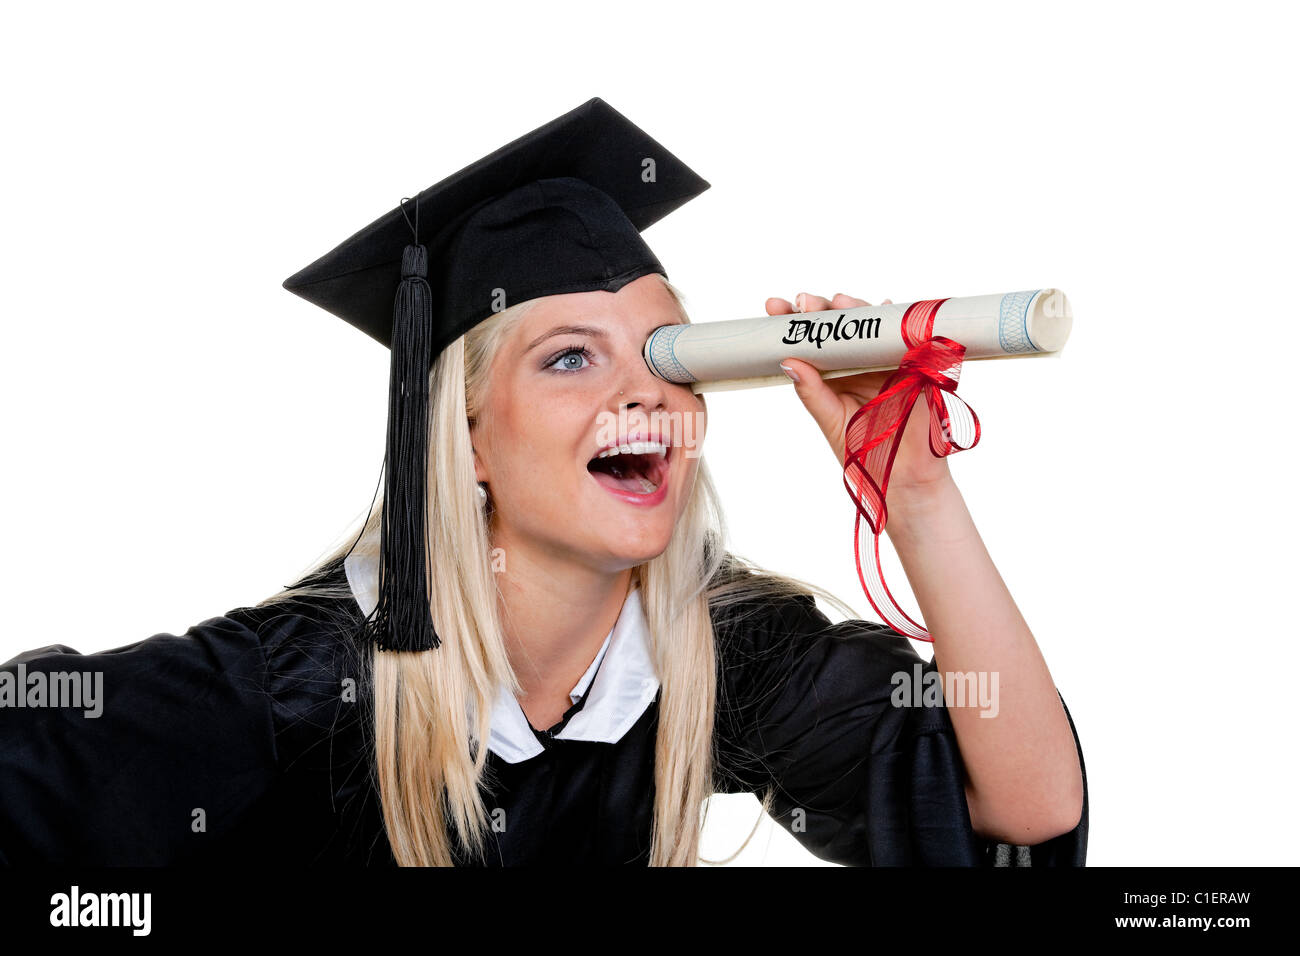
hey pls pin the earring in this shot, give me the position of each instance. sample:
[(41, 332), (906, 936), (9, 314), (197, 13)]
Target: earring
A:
[(482, 493)]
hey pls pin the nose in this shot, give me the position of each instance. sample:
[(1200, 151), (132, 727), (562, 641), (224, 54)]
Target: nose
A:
[(639, 387)]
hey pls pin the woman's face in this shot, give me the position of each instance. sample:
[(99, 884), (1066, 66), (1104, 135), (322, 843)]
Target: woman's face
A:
[(553, 403)]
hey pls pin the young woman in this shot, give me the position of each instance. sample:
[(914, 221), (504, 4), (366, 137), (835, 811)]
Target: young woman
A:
[(603, 666)]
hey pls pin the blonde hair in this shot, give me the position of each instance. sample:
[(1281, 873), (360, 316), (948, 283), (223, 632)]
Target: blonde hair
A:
[(433, 708)]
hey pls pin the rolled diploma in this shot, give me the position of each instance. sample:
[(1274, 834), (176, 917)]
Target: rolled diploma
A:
[(742, 353)]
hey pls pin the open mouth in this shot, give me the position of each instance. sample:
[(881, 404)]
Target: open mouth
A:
[(640, 472)]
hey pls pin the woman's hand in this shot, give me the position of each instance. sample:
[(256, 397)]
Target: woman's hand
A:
[(832, 402)]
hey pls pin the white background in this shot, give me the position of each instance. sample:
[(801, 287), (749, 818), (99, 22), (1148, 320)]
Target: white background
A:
[(182, 436)]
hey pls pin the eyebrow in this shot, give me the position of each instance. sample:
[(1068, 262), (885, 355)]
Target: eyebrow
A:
[(575, 330), (565, 330)]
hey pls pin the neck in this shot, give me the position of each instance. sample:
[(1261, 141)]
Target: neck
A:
[(556, 615)]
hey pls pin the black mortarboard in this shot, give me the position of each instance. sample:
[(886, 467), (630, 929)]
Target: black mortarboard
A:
[(557, 210)]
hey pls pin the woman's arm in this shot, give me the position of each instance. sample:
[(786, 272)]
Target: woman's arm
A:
[(1025, 784)]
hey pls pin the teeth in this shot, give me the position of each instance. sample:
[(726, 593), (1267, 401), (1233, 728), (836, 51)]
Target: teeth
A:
[(636, 448), (647, 486)]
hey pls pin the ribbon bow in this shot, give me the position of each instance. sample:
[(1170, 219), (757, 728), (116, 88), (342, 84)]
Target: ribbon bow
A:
[(931, 367)]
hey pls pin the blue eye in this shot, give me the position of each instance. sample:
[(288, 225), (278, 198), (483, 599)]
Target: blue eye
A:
[(579, 350)]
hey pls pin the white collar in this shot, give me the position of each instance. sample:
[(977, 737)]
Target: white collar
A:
[(625, 683)]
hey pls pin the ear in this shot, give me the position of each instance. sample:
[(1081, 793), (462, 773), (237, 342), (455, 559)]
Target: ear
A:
[(480, 472)]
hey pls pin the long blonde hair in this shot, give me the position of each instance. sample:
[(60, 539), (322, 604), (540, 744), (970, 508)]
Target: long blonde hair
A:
[(433, 708)]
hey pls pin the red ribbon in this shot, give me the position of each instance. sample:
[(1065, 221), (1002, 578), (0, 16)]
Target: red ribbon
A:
[(930, 367)]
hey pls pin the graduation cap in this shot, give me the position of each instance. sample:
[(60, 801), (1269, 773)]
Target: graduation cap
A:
[(558, 210)]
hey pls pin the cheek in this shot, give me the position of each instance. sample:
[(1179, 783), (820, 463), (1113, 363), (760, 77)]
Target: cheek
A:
[(533, 443), (694, 423)]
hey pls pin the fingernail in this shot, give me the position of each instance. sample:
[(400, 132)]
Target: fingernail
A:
[(789, 371), (798, 302)]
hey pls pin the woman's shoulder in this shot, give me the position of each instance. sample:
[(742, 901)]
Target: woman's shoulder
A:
[(763, 617), (316, 671), (319, 603), (314, 626)]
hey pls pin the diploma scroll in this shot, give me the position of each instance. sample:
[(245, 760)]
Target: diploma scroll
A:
[(746, 353)]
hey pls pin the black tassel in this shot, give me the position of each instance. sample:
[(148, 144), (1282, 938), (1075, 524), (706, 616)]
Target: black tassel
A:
[(401, 621)]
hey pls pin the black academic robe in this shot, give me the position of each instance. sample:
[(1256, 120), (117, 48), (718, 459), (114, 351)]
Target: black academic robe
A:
[(245, 740)]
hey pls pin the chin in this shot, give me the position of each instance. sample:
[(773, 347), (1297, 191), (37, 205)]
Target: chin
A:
[(638, 549), (627, 545)]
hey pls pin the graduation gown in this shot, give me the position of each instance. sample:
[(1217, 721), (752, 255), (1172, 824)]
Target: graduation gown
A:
[(243, 740)]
